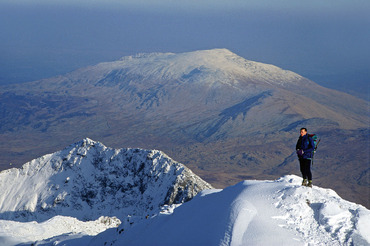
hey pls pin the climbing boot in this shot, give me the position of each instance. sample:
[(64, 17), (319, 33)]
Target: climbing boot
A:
[(309, 183), (304, 182)]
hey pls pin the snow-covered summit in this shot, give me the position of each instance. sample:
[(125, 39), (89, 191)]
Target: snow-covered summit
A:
[(280, 212), (211, 67), (88, 180)]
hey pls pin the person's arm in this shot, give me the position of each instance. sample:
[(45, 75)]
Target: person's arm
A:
[(298, 145)]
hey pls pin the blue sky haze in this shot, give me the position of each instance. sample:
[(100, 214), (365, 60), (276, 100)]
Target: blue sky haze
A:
[(326, 41)]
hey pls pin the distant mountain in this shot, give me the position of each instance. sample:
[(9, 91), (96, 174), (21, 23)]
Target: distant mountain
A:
[(226, 117), (88, 180)]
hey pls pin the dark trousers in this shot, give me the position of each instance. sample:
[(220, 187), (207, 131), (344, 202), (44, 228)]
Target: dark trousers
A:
[(305, 165)]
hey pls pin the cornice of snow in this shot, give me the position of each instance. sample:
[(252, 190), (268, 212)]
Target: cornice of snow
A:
[(254, 212)]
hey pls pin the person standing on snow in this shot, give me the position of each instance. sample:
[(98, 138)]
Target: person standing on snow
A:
[(305, 147)]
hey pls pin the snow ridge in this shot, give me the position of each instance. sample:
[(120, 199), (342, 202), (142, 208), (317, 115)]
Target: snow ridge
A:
[(321, 212), (88, 180), (280, 212)]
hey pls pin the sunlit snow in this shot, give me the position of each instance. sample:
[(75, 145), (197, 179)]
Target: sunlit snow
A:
[(252, 212)]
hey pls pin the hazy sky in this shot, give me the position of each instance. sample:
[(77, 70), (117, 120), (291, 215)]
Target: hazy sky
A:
[(319, 39)]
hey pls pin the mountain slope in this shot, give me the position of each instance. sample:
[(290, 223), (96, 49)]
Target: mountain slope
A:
[(89, 194), (28, 233), (88, 180), (198, 85), (224, 116), (277, 212)]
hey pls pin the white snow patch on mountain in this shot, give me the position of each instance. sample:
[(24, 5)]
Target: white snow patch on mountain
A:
[(212, 67), (13, 232)]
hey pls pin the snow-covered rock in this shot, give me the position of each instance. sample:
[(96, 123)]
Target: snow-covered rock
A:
[(280, 212), (88, 180)]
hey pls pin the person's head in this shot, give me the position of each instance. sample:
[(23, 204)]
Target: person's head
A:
[(303, 131)]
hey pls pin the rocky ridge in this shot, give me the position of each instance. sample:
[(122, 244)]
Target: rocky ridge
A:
[(88, 180)]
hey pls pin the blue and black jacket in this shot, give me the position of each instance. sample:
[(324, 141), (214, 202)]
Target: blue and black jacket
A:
[(306, 144)]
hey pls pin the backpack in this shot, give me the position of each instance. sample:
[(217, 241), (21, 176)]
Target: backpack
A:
[(315, 139), (316, 142)]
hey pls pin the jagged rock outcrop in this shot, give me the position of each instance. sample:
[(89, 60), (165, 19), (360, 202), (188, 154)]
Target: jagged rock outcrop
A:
[(88, 180)]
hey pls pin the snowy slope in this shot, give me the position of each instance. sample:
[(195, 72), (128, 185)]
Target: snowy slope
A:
[(217, 66), (14, 233), (277, 212), (88, 180)]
